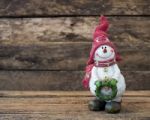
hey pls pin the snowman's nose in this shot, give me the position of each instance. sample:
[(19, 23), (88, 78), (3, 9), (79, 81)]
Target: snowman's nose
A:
[(105, 50)]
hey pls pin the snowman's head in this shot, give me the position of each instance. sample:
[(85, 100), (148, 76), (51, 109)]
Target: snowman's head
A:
[(103, 53)]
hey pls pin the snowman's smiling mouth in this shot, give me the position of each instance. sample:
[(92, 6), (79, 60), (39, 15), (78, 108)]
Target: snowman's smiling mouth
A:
[(104, 57)]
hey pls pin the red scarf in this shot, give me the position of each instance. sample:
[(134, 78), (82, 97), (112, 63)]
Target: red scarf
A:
[(106, 63)]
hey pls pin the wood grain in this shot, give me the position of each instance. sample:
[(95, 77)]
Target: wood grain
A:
[(62, 105), (68, 94), (62, 80), (73, 7), (131, 31), (64, 56), (30, 43)]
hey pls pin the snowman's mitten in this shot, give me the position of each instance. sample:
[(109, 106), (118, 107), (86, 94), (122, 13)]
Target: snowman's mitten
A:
[(113, 82), (98, 83)]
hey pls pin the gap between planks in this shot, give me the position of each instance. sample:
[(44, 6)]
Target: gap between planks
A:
[(145, 93)]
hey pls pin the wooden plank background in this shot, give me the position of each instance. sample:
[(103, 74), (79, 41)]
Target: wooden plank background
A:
[(55, 105), (44, 45)]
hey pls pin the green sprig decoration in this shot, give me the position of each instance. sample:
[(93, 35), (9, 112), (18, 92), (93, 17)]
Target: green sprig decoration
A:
[(111, 83)]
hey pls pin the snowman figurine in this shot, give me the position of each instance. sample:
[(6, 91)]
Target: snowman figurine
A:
[(103, 76)]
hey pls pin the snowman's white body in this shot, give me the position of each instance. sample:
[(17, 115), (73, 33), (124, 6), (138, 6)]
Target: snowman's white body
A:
[(113, 71)]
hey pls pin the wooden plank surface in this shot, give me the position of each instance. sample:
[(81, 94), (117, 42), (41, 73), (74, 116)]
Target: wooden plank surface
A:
[(131, 31), (44, 45), (64, 56), (30, 43), (51, 94), (73, 7), (63, 80), (68, 105)]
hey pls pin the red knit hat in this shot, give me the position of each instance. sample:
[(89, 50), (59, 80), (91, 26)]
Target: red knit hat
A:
[(100, 37)]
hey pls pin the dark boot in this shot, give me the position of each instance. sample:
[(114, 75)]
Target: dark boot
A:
[(113, 107), (96, 105)]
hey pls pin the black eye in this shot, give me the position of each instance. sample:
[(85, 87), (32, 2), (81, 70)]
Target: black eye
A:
[(105, 47), (102, 47)]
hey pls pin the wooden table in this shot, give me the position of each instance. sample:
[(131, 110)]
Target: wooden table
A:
[(58, 105)]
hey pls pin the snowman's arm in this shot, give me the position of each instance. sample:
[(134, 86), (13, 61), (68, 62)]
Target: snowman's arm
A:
[(121, 86), (92, 81), (94, 75), (121, 82), (117, 72)]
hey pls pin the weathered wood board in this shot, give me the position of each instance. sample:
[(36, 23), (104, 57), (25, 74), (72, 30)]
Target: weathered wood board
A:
[(68, 106), (44, 45), (64, 43), (131, 31), (73, 7), (63, 80), (51, 53), (63, 56)]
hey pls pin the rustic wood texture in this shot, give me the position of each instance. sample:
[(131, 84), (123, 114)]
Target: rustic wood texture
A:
[(131, 31), (63, 80), (30, 43), (63, 56), (51, 94), (68, 106), (44, 45), (73, 7)]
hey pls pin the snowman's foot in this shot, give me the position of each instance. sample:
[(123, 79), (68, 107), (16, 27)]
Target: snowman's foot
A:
[(113, 107), (96, 105)]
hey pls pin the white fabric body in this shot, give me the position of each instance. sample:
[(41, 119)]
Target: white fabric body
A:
[(113, 71)]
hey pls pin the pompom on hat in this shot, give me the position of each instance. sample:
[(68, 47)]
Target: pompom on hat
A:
[(100, 37)]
